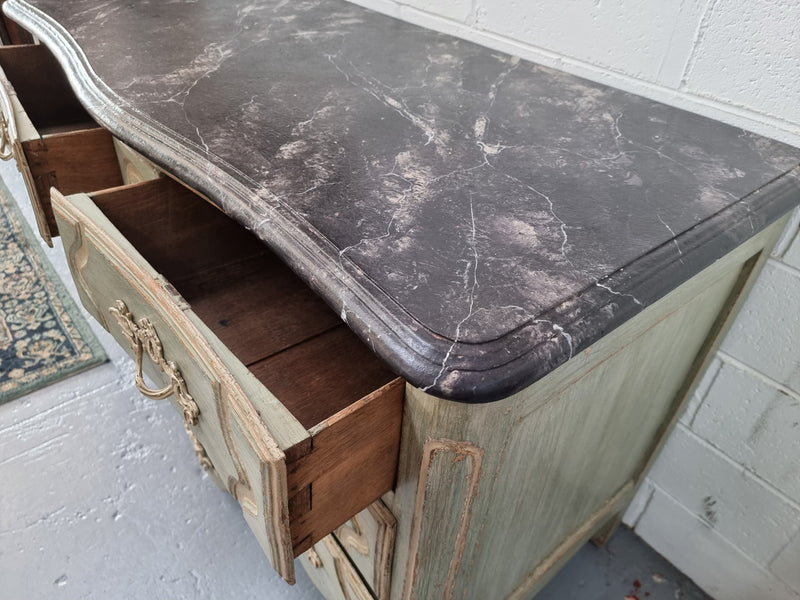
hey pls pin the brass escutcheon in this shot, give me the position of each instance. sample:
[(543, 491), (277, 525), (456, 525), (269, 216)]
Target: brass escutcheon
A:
[(142, 337), (6, 147)]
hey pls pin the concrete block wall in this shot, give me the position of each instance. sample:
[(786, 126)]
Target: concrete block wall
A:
[(728, 59), (722, 502)]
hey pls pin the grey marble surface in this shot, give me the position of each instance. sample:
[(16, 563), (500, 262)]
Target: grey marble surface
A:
[(475, 218)]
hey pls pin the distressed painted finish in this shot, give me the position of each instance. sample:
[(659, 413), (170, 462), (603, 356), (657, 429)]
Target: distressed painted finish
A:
[(369, 538), (449, 476), (303, 445), (499, 193), (493, 499), (332, 572), (133, 166), (247, 453), (522, 213)]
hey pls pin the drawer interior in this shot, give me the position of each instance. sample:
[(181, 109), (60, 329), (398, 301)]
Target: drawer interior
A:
[(61, 145), (43, 89), (272, 322), (335, 387), (12, 33)]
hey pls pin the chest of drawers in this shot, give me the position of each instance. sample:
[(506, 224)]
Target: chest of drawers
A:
[(422, 367)]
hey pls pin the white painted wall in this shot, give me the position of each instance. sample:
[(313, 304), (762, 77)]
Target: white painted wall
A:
[(723, 500)]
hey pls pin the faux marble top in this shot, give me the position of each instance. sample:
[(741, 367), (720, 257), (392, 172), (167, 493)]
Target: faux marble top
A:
[(477, 219)]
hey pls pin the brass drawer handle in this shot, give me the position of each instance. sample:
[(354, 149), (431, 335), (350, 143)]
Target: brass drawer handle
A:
[(6, 147), (142, 337)]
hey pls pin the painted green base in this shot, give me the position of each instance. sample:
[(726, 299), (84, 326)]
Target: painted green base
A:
[(43, 337)]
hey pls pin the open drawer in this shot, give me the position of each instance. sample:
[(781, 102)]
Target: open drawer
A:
[(299, 419), (46, 130)]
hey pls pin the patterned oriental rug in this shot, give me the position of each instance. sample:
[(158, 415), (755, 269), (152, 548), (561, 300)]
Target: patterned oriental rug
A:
[(43, 337)]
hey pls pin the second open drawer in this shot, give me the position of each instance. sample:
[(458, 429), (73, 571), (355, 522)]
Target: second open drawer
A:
[(45, 129), (299, 419)]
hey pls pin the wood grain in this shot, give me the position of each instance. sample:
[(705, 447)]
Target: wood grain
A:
[(243, 292), (57, 144), (42, 88), (352, 463), (174, 230), (257, 311), (323, 375), (72, 162)]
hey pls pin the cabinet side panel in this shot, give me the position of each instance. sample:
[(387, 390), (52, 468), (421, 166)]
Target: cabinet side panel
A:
[(556, 455)]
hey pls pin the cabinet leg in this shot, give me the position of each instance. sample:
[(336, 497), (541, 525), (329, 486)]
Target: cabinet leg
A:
[(607, 530)]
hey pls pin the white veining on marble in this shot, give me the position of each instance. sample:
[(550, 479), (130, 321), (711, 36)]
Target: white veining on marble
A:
[(567, 337), (378, 90), (483, 120), (672, 233), (363, 241), (530, 319), (619, 135), (471, 299), (306, 105), (562, 226), (204, 65), (616, 293), (395, 214)]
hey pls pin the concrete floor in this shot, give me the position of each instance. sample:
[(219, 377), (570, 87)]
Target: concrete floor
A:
[(625, 569), (101, 496)]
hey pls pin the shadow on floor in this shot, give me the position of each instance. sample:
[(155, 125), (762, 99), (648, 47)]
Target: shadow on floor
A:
[(624, 569)]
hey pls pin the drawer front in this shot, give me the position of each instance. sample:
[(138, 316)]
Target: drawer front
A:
[(368, 539), (174, 348), (133, 166), (332, 573)]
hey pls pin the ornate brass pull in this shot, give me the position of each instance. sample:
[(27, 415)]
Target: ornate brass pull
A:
[(202, 457), (6, 147), (142, 337)]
